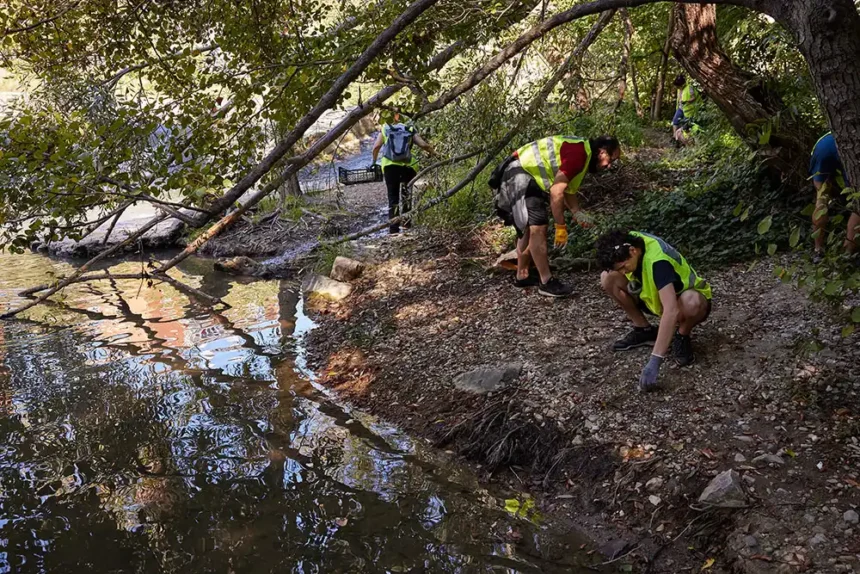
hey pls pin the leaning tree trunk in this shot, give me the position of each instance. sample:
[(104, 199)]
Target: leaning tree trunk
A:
[(657, 103), (756, 115), (828, 35)]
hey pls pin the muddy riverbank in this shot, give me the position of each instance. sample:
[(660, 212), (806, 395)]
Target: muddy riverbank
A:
[(572, 429)]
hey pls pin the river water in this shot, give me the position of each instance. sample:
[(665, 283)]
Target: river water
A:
[(141, 432)]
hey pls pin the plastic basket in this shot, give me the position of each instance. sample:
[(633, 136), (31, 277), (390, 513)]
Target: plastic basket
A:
[(360, 175)]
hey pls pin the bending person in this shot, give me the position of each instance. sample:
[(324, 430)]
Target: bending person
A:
[(546, 174), (829, 179), (646, 275)]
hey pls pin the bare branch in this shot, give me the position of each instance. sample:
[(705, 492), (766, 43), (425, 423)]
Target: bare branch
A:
[(34, 25)]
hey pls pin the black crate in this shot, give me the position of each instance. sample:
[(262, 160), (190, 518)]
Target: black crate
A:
[(360, 175)]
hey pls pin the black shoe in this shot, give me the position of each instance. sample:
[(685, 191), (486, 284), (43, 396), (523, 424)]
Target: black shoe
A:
[(554, 288), (638, 337), (533, 280), (682, 349)]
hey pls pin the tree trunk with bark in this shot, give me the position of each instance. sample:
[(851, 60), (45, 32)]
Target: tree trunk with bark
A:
[(756, 115), (657, 102), (828, 35)]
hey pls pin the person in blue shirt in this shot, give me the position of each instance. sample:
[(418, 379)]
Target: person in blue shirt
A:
[(828, 176)]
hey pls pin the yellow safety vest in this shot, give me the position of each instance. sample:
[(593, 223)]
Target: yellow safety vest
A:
[(686, 97), (657, 249), (541, 160)]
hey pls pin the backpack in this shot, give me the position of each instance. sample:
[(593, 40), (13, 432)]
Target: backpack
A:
[(398, 143)]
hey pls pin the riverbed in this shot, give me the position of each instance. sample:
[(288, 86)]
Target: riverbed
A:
[(142, 432)]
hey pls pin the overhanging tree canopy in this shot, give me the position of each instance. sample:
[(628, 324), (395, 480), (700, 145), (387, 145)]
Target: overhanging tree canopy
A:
[(173, 102)]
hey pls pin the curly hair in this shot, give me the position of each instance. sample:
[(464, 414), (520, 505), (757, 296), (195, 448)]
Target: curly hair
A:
[(614, 247)]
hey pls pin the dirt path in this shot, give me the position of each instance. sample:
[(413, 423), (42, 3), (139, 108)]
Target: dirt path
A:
[(625, 466)]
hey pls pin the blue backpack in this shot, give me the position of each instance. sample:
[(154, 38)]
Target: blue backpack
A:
[(398, 143)]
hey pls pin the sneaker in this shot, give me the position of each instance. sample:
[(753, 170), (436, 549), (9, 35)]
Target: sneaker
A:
[(817, 257), (554, 288), (682, 349), (638, 337), (533, 280)]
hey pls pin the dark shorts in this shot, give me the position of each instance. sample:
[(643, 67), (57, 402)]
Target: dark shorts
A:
[(520, 202), (679, 115), (646, 311), (825, 163)]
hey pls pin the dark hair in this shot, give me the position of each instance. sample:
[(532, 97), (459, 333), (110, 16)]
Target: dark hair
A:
[(609, 143), (614, 247), (680, 80)]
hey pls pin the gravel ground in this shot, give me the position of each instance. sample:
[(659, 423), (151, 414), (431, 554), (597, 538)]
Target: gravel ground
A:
[(624, 465)]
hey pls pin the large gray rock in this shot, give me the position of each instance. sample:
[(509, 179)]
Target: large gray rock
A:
[(164, 235), (487, 379), (725, 491), (345, 269), (322, 286)]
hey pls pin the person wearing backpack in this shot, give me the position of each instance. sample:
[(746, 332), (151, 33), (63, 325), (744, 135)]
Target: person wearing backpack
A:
[(540, 178), (398, 164)]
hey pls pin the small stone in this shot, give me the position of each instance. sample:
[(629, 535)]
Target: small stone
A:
[(851, 517), (578, 440), (744, 438), (817, 540), (750, 541), (768, 459), (655, 500), (654, 484), (725, 491), (740, 458)]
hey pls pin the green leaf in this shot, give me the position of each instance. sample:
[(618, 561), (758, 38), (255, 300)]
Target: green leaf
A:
[(745, 214), (765, 224), (771, 248), (794, 239), (847, 330), (738, 209), (855, 315)]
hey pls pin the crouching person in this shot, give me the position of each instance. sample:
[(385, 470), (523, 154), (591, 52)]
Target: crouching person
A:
[(646, 275)]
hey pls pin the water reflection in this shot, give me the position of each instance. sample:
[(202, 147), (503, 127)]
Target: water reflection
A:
[(143, 433)]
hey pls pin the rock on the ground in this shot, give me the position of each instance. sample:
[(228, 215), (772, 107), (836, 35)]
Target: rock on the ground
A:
[(345, 269), (322, 286), (654, 484), (768, 459), (725, 491), (851, 517), (488, 378), (614, 548)]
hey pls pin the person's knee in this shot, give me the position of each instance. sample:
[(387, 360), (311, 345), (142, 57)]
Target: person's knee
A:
[(692, 304), (612, 282), (606, 281)]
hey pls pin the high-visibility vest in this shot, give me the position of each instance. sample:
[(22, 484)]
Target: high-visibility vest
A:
[(541, 159), (686, 96), (657, 249)]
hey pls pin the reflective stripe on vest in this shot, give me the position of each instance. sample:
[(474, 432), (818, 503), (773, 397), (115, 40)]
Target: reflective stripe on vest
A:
[(541, 160), (656, 249), (385, 162)]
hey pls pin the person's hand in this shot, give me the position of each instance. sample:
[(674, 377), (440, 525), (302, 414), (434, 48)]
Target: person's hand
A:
[(560, 235), (648, 378), (583, 220)]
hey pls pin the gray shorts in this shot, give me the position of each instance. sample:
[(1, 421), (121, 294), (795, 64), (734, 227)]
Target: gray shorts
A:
[(521, 202)]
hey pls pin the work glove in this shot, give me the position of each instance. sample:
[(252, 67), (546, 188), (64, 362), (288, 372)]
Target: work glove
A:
[(648, 378), (560, 235)]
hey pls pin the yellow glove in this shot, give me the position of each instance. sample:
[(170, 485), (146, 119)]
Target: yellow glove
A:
[(560, 235)]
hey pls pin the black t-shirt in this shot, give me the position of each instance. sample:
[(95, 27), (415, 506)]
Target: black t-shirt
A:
[(663, 274)]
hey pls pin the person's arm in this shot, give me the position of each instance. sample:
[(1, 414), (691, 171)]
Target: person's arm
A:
[(377, 146), (668, 321), (571, 201), (556, 204), (420, 142), (669, 300)]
